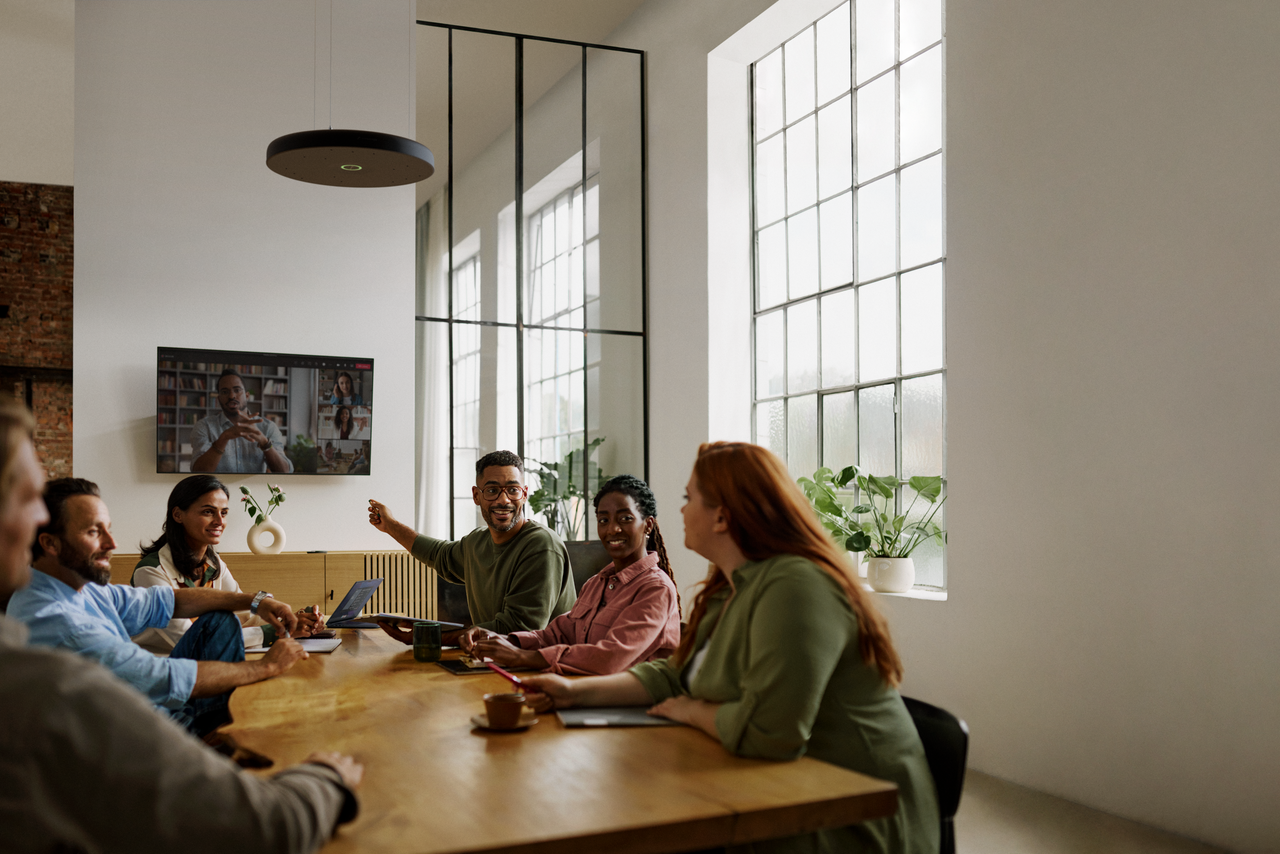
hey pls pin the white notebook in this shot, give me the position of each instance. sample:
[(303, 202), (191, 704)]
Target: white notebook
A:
[(309, 644)]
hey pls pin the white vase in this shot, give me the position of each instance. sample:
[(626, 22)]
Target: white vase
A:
[(891, 574), (267, 526)]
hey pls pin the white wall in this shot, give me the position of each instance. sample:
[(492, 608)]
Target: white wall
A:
[(185, 238), (1112, 632)]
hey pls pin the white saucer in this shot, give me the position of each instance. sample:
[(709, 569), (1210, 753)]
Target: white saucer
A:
[(528, 717)]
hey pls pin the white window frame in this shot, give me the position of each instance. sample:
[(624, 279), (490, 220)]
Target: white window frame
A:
[(768, 404)]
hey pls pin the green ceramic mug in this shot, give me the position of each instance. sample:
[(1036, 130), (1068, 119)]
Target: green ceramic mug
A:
[(426, 640)]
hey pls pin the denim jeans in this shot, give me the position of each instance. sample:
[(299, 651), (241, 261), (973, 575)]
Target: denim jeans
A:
[(215, 636)]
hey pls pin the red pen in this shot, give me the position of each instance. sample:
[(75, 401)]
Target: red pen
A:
[(528, 689)]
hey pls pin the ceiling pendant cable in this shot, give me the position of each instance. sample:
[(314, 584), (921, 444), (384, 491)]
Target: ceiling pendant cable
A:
[(347, 158)]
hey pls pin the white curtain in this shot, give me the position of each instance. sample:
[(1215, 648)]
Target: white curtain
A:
[(432, 381)]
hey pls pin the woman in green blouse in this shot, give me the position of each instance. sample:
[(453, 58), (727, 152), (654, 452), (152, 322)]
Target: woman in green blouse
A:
[(784, 655)]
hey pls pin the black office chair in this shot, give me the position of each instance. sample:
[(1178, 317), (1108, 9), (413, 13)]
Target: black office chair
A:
[(946, 746), (585, 560)]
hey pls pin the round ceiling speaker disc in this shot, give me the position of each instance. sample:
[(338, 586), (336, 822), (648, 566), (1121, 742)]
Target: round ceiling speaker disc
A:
[(350, 158)]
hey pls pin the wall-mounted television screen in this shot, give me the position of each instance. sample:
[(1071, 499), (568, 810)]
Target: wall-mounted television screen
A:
[(247, 413)]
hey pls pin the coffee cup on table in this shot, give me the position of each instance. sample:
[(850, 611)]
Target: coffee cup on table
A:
[(503, 710), (426, 641)]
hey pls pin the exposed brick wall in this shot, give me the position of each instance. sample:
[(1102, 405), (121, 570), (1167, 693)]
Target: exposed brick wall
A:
[(36, 251)]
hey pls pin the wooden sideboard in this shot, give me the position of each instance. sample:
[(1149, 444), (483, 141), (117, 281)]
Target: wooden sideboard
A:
[(310, 578)]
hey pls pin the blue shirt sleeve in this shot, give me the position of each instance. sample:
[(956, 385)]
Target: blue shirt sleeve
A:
[(166, 682), (142, 607), (58, 618)]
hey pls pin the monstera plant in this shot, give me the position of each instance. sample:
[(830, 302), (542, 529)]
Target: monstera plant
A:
[(871, 526)]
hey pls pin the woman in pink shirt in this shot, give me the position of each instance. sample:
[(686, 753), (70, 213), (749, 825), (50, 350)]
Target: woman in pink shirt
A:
[(626, 613)]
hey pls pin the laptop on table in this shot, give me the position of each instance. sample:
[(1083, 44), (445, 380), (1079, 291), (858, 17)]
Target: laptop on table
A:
[(343, 617)]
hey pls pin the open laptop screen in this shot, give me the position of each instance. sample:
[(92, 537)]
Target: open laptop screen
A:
[(353, 603)]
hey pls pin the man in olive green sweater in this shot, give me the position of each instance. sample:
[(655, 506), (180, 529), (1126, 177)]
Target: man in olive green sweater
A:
[(516, 571)]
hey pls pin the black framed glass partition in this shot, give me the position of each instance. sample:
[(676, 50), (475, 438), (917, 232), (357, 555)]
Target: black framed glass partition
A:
[(532, 297)]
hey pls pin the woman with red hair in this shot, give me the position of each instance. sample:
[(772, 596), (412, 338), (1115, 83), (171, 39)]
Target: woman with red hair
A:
[(784, 654)]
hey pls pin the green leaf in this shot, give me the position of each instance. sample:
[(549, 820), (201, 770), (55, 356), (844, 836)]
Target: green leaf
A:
[(847, 474), (859, 542), (882, 486), (260, 519), (540, 500), (860, 509), (828, 506), (929, 488)]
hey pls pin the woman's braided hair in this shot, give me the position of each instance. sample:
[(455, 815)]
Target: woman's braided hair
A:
[(642, 495)]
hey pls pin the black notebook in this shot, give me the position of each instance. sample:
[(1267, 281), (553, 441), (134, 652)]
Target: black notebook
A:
[(460, 667)]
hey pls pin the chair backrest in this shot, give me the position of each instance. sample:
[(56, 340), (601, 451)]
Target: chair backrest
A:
[(946, 747), (586, 558)]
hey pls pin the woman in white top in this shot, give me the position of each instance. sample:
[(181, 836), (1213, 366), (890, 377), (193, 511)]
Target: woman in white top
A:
[(183, 556)]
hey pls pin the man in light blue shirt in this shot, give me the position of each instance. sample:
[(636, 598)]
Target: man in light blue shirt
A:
[(233, 440), (71, 604)]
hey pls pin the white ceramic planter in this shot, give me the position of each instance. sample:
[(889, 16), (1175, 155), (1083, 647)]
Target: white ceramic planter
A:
[(268, 526), (891, 574)]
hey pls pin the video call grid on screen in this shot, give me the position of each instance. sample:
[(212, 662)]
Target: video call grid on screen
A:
[(321, 406)]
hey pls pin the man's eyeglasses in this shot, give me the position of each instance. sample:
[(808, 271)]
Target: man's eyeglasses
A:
[(492, 492)]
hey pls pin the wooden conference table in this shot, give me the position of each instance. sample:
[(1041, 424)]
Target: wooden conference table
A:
[(435, 785)]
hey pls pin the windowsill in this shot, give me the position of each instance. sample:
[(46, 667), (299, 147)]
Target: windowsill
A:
[(913, 593)]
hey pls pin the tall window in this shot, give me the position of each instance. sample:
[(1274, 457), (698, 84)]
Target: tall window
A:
[(466, 390), (564, 251), (532, 302), (849, 239)]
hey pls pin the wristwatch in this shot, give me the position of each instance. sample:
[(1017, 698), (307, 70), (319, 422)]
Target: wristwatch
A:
[(257, 600)]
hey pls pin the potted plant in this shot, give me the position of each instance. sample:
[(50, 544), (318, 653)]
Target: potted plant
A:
[(886, 539), (304, 454), (563, 499)]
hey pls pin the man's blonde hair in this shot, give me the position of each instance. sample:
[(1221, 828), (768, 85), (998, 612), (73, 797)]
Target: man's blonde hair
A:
[(16, 427)]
